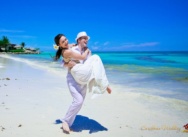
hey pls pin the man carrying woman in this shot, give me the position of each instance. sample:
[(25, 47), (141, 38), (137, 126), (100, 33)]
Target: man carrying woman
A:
[(83, 69)]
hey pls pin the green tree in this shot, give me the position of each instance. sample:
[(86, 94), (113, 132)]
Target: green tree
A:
[(22, 44), (1, 43), (5, 40)]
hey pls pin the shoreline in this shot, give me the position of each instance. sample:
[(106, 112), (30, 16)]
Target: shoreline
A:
[(32, 99), (140, 79), (19, 52)]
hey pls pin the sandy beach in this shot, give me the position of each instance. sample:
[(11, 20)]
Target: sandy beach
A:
[(32, 99)]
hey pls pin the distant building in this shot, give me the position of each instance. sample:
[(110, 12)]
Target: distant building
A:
[(31, 50), (8, 47), (18, 47)]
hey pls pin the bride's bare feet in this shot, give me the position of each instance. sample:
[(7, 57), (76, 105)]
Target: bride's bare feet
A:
[(109, 90), (65, 128)]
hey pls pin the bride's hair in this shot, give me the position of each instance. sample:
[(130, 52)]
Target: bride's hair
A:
[(59, 51)]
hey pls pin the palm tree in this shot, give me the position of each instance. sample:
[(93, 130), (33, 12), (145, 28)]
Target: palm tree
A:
[(4, 42), (1, 43), (22, 44)]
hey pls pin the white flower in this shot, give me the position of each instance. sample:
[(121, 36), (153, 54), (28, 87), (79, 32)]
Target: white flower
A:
[(56, 47)]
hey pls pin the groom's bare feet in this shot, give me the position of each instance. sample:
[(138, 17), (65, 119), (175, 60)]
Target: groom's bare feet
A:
[(65, 128), (109, 90)]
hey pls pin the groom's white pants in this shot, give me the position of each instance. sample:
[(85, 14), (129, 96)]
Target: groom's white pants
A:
[(78, 93)]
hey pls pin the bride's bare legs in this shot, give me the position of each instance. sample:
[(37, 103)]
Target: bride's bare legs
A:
[(109, 90)]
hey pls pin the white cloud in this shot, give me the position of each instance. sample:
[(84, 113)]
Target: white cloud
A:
[(106, 43), (125, 46), (11, 31), (146, 44), (22, 36), (96, 43), (94, 47)]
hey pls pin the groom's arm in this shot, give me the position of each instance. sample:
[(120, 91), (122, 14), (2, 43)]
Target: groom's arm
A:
[(70, 64)]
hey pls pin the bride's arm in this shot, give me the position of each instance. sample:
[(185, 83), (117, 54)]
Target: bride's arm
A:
[(76, 56)]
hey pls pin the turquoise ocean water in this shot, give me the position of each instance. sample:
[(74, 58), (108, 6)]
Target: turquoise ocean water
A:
[(157, 73)]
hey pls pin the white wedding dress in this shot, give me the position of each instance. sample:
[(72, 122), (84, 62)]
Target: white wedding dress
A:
[(91, 72)]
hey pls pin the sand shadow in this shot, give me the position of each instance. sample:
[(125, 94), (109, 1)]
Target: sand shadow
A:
[(84, 123)]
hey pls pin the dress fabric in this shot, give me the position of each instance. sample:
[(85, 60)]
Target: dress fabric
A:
[(92, 72)]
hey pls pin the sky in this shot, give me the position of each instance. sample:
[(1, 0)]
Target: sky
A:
[(114, 25)]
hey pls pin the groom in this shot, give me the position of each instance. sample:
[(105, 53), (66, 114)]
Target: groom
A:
[(77, 91)]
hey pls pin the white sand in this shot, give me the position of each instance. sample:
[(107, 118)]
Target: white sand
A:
[(33, 99)]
